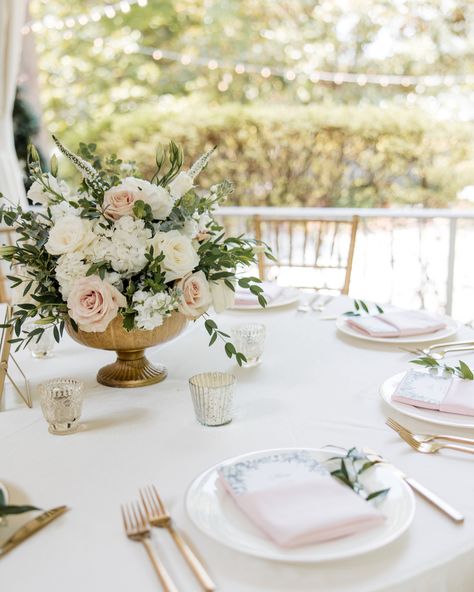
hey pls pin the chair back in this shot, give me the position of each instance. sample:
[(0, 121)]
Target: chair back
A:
[(311, 253)]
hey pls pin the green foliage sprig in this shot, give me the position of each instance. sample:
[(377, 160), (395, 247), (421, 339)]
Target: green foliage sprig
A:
[(462, 370), (350, 467), (10, 510), (361, 307)]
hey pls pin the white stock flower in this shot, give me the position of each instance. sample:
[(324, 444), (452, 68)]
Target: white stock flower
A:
[(222, 295), (180, 185), (69, 234), (180, 255), (39, 194), (128, 246), (155, 196), (151, 308), (69, 268)]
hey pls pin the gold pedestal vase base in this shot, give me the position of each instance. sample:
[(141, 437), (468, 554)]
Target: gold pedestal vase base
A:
[(132, 369)]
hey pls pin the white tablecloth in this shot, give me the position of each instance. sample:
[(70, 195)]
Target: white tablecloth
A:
[(314, 387)]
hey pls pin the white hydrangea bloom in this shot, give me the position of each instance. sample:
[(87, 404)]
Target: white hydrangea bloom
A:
[(69, 268), (151, 308), (128, 246), (63, 208)]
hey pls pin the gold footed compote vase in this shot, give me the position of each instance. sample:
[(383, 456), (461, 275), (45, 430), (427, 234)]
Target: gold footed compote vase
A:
[(132, 368)]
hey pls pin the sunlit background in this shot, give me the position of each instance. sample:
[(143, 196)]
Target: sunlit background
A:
[(342, 103)]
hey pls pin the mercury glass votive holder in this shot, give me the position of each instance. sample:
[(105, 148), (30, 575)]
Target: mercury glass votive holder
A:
[(61, 403), (43, 346), (249, 339), (212, 394)]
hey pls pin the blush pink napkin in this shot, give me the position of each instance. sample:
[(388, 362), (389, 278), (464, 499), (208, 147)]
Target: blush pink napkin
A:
[(402, 323), (459, 398), (306, 510), (270, 291)]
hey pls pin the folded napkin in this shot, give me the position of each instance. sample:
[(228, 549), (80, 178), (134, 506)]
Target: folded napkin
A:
[(295, 501), (400, 323), (270, 291), (436, 391)]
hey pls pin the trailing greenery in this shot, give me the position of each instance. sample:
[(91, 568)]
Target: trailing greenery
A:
[(462, 369), (10, 510), (361, 307), (350, 467)]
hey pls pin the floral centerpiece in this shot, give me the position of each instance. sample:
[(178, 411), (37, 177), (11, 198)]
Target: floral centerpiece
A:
[(123, 259)]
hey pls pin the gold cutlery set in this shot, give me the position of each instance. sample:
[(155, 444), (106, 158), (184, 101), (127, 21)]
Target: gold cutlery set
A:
[(30, 528), (428, 444), (138, 519)]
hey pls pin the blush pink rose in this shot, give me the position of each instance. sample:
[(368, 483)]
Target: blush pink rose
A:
[(118, 202), (196, 295), (93, 303)]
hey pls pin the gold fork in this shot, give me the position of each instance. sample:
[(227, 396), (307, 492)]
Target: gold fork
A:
[(423, 438), (157, 516), (430, 447), (137, 529)]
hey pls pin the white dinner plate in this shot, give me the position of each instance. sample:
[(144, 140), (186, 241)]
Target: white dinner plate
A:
[(286, 297), (430, 415), (215, 513), (448, 331)]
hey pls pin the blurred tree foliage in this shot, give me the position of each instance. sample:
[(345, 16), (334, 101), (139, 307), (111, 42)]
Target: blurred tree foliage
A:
[(329, 144), (306, 156)]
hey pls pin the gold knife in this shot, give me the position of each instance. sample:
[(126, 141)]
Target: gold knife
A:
[(30, 528), (425, 493)]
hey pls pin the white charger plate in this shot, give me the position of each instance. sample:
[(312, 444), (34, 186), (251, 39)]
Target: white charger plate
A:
[(215, 513), (430, 415), (286, 297), (448, 331)]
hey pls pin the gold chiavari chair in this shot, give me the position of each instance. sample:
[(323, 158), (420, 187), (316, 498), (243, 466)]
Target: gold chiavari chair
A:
[(7, 237), (324, 246)]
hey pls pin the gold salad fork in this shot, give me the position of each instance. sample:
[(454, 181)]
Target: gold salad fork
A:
[(423, 438), (157, 516), (430, 447), (137, 529)]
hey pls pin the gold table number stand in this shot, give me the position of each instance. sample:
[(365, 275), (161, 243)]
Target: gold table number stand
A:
[(5, 358)]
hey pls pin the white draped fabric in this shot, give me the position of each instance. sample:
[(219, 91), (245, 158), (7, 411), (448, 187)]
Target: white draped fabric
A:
[(12, 17), (314, 387)]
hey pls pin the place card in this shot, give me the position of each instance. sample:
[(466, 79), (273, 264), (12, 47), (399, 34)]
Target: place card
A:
[(423, 389)]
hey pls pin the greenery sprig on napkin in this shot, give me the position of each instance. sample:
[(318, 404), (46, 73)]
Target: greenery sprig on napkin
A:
[(6, 510), (361, 307), (351, 467), (462, 370)]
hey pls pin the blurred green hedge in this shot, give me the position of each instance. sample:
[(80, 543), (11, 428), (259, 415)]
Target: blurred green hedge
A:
[(353, 156)]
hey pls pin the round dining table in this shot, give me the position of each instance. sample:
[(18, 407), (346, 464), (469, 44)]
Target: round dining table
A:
[(315, 386)]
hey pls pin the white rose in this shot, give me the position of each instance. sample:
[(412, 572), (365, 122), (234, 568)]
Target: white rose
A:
[(196, 295), (155, 196), (222, 295), (180, 185), (180, 255), (69, 234), (39, 194)]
